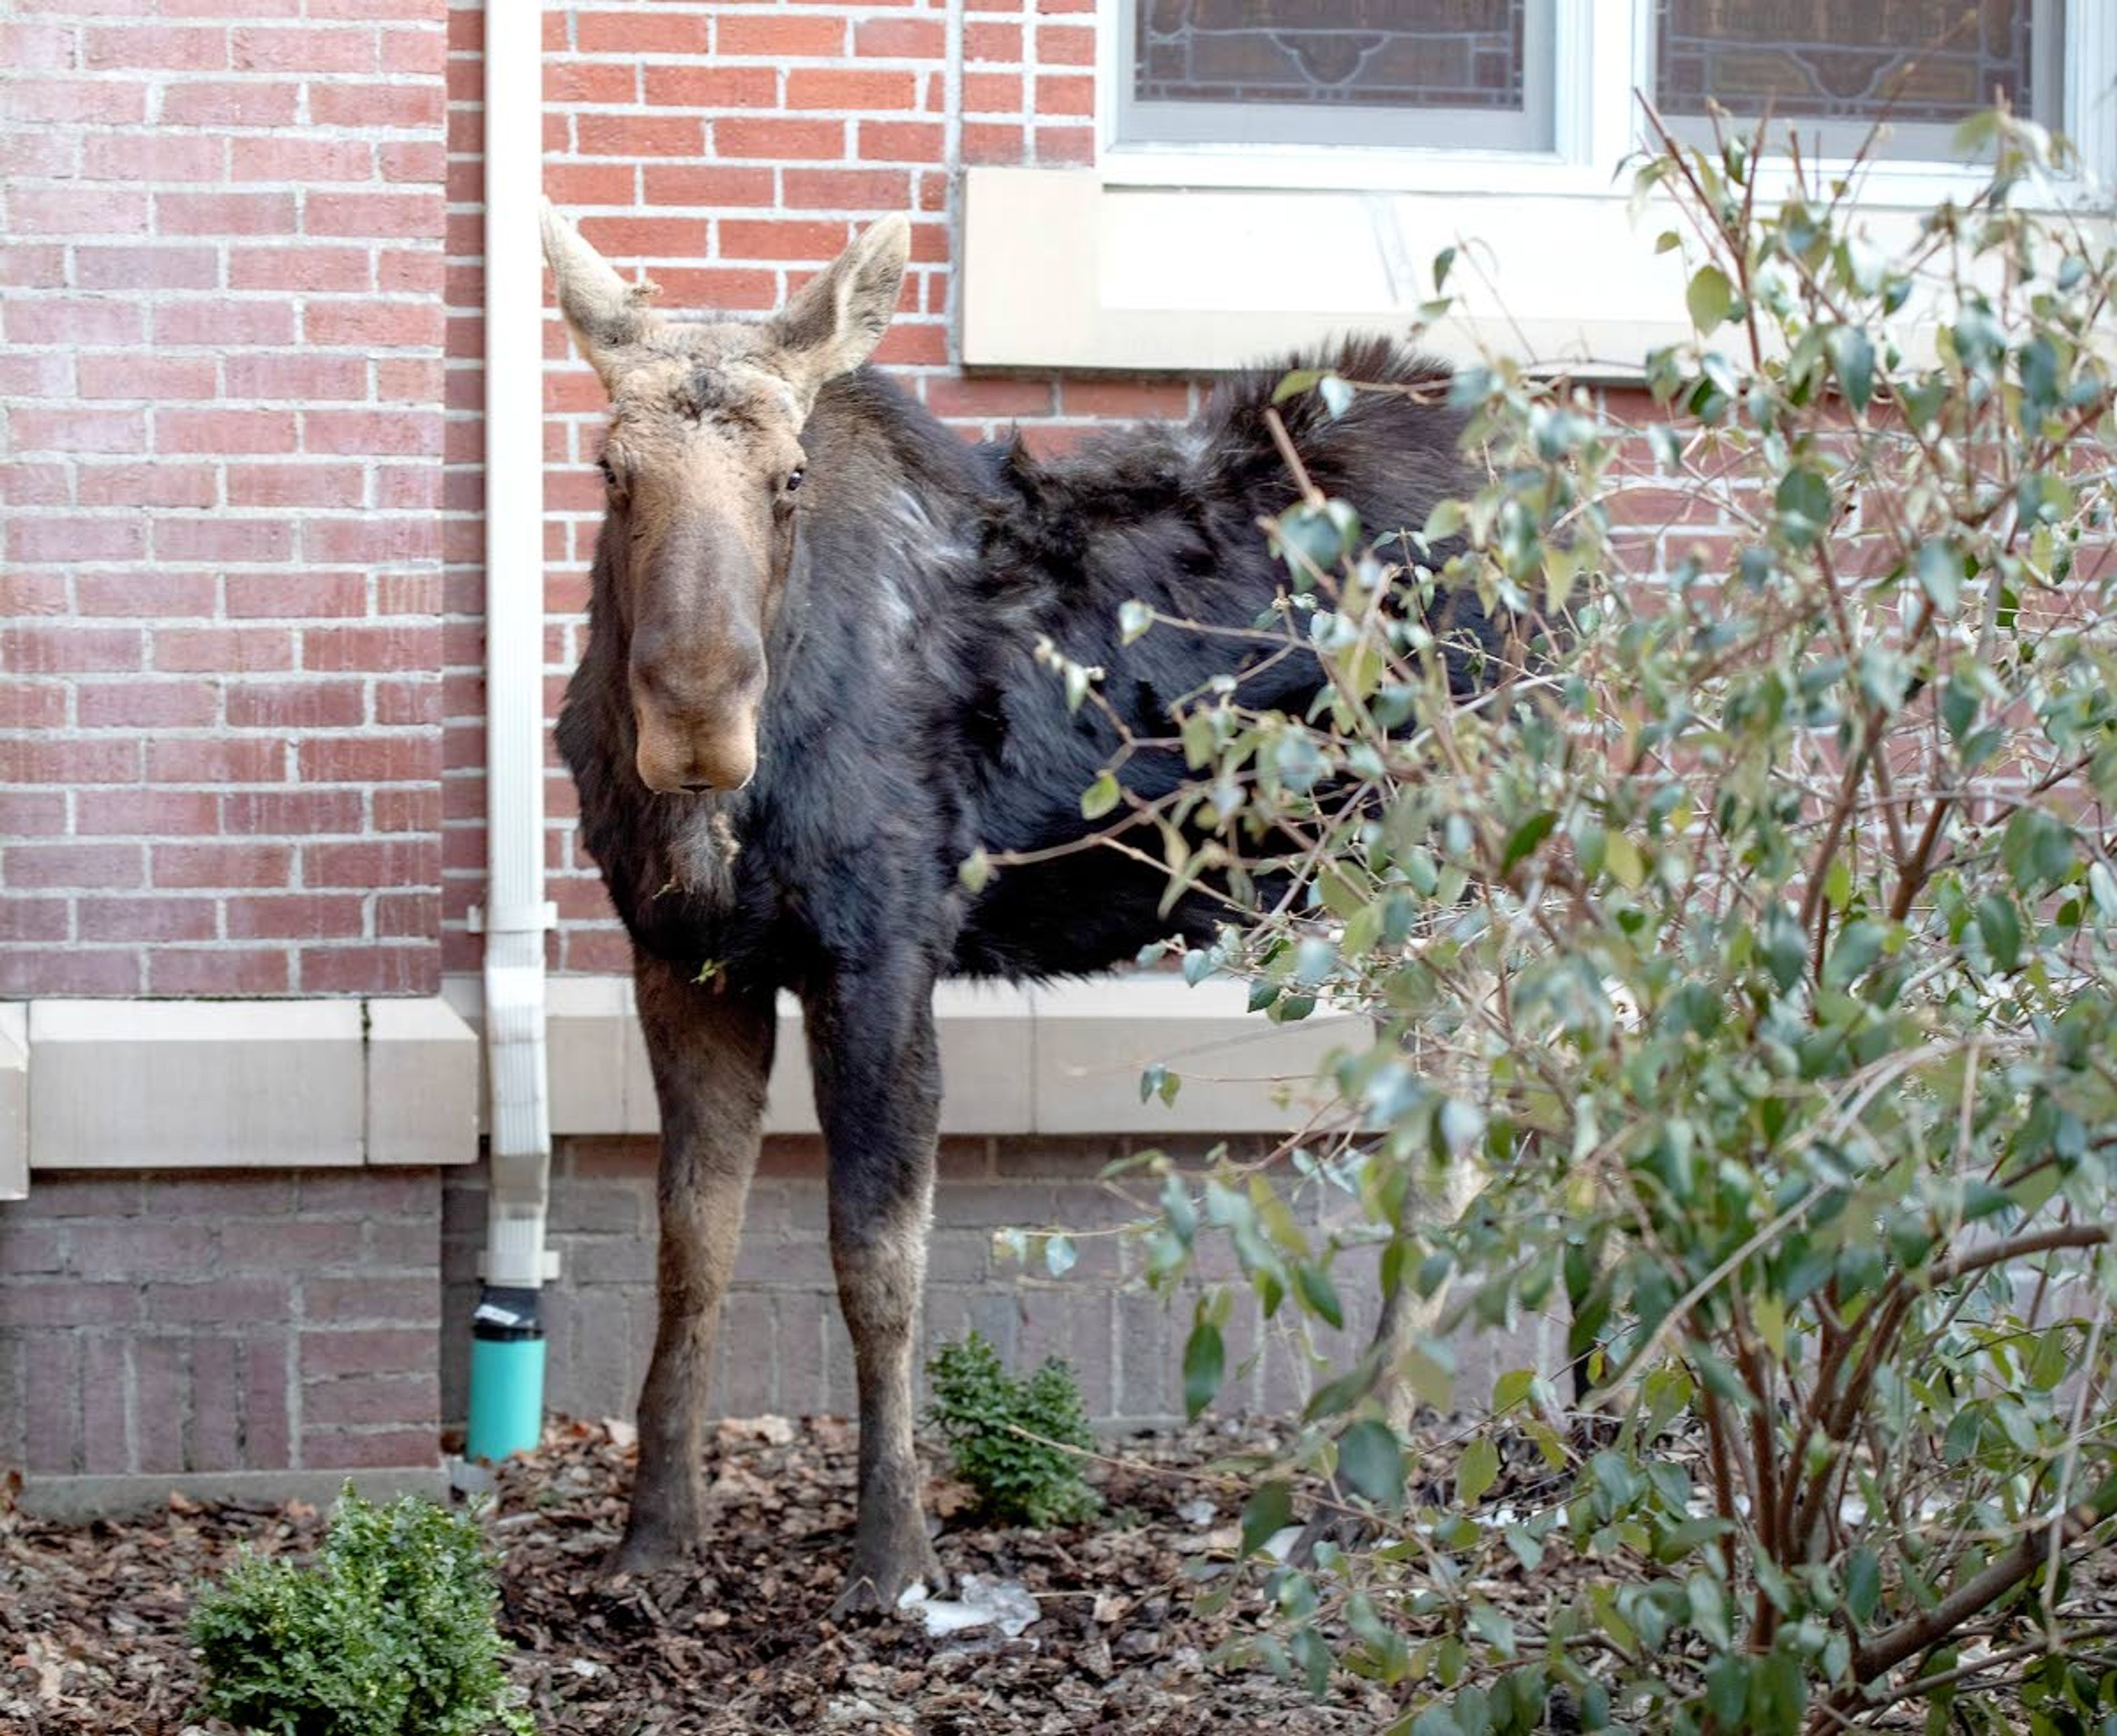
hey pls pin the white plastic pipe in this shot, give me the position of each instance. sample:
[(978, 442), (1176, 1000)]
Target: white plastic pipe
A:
[(516, 915)]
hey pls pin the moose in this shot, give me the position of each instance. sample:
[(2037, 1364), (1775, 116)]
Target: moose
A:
[(810, 692)]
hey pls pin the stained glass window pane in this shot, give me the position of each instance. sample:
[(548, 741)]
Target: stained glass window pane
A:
[(1350, 71), (1396, 54), (1834, 68)]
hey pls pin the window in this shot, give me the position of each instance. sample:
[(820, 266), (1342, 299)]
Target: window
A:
[(1832, 71), (1271, 171), (1435, 72)]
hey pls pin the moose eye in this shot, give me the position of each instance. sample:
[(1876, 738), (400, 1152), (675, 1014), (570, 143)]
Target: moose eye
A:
[(793, 479), (609, 473)]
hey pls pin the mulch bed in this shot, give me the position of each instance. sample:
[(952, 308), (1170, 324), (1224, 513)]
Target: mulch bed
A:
[(92, 1618)]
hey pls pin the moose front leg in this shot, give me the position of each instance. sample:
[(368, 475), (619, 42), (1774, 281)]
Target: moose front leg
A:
[(878, 1097), (711, 1057)]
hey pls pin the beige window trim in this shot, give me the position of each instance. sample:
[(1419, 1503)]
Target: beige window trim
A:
[(14, 1101)]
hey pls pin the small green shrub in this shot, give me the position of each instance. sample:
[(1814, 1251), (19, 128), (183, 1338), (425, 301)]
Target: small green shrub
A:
[(390, 1633), (988, 1417)]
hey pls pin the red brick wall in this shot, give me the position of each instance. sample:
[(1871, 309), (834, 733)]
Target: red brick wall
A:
[(219, 723), (164, 1323)]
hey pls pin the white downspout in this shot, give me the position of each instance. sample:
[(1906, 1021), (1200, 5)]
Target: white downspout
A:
[(516, 914)]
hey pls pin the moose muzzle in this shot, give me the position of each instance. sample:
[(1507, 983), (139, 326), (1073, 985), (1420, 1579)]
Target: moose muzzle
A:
[(697, 728)]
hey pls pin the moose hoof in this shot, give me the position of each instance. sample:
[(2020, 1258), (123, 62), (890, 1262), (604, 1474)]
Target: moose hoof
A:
[(879, 1579)]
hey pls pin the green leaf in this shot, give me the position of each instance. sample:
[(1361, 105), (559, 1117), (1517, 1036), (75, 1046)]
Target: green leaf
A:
[(1804, 504), (1863, 1584), (1205, 1360), (1371, 1461), (1269, 1511), (1301, 380), (1134, 618), (1477, 1471), (1527, 835), (1100, 797), (1315, 1288), (1940, 575), (1059, 1255), (1709, 299), (1852, 354), (974, 871)]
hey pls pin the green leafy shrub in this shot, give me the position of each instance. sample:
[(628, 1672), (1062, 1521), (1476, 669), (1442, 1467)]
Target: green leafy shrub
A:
[(1008, 1437), (390, 1633), (1757, 943)]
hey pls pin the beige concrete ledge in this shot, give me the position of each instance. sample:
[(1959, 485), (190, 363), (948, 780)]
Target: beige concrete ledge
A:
[(1063, 1057), (73, 1499), (197, 1084), (14, 1101)]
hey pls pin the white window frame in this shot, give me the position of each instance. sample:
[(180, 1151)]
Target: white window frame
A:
[(1168, 257)]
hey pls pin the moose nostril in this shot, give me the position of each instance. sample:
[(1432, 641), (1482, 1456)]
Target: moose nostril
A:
[(699, 789)]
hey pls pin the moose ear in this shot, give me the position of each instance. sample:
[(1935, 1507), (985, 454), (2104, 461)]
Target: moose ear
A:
[(605, 312), (834, 323)]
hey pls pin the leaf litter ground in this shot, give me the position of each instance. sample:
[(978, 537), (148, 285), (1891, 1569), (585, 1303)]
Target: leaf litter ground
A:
[(92, 1616)]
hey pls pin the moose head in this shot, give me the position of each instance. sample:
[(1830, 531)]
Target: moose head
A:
[(704, 466)]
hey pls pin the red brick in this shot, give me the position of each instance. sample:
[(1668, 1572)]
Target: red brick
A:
[(369, 759), (69, 762), (69, 539), (234, 1301), (75, 321), (1065, 45), (372, 325), (335, 1450), (217, 864), (367, 103), (225, 214), (992, 42), (44, 649), (646, 238), (78, 431), (572, 185), (292, 813), (629, 135), (144, 813), (743, 239), (424, 161), (774, 138), (371, 648), (409, 699), (223, 649), (399, 433), (408, 1399), (641, 31), (23, 920), (215, 433), (1127, 398), (163, 157), (985, 142), (712, 87), (296, 705), (414, 808), (292, 485), (32, 814), (900, 39), (901, 141), (132, 375), (818, 87), (160, 483), (236, 759), (1074, 145), (409, 380), (77, 102), (219, 970), (992, 93), (393, 862), (993, 397), (153, 47), (292, 916), (299, 159), (363, 1350), (147, 919), (163, 705), (250, 102), (848, 189), (705, 184), (27, 705), (913, 346), (409, 915), (396, 968), (219, 538), (71, 864), (222, 324), (397, 215), (591, 81), (780, 39), (69, 971), (303, 49), (48, 484), (307, 266)]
